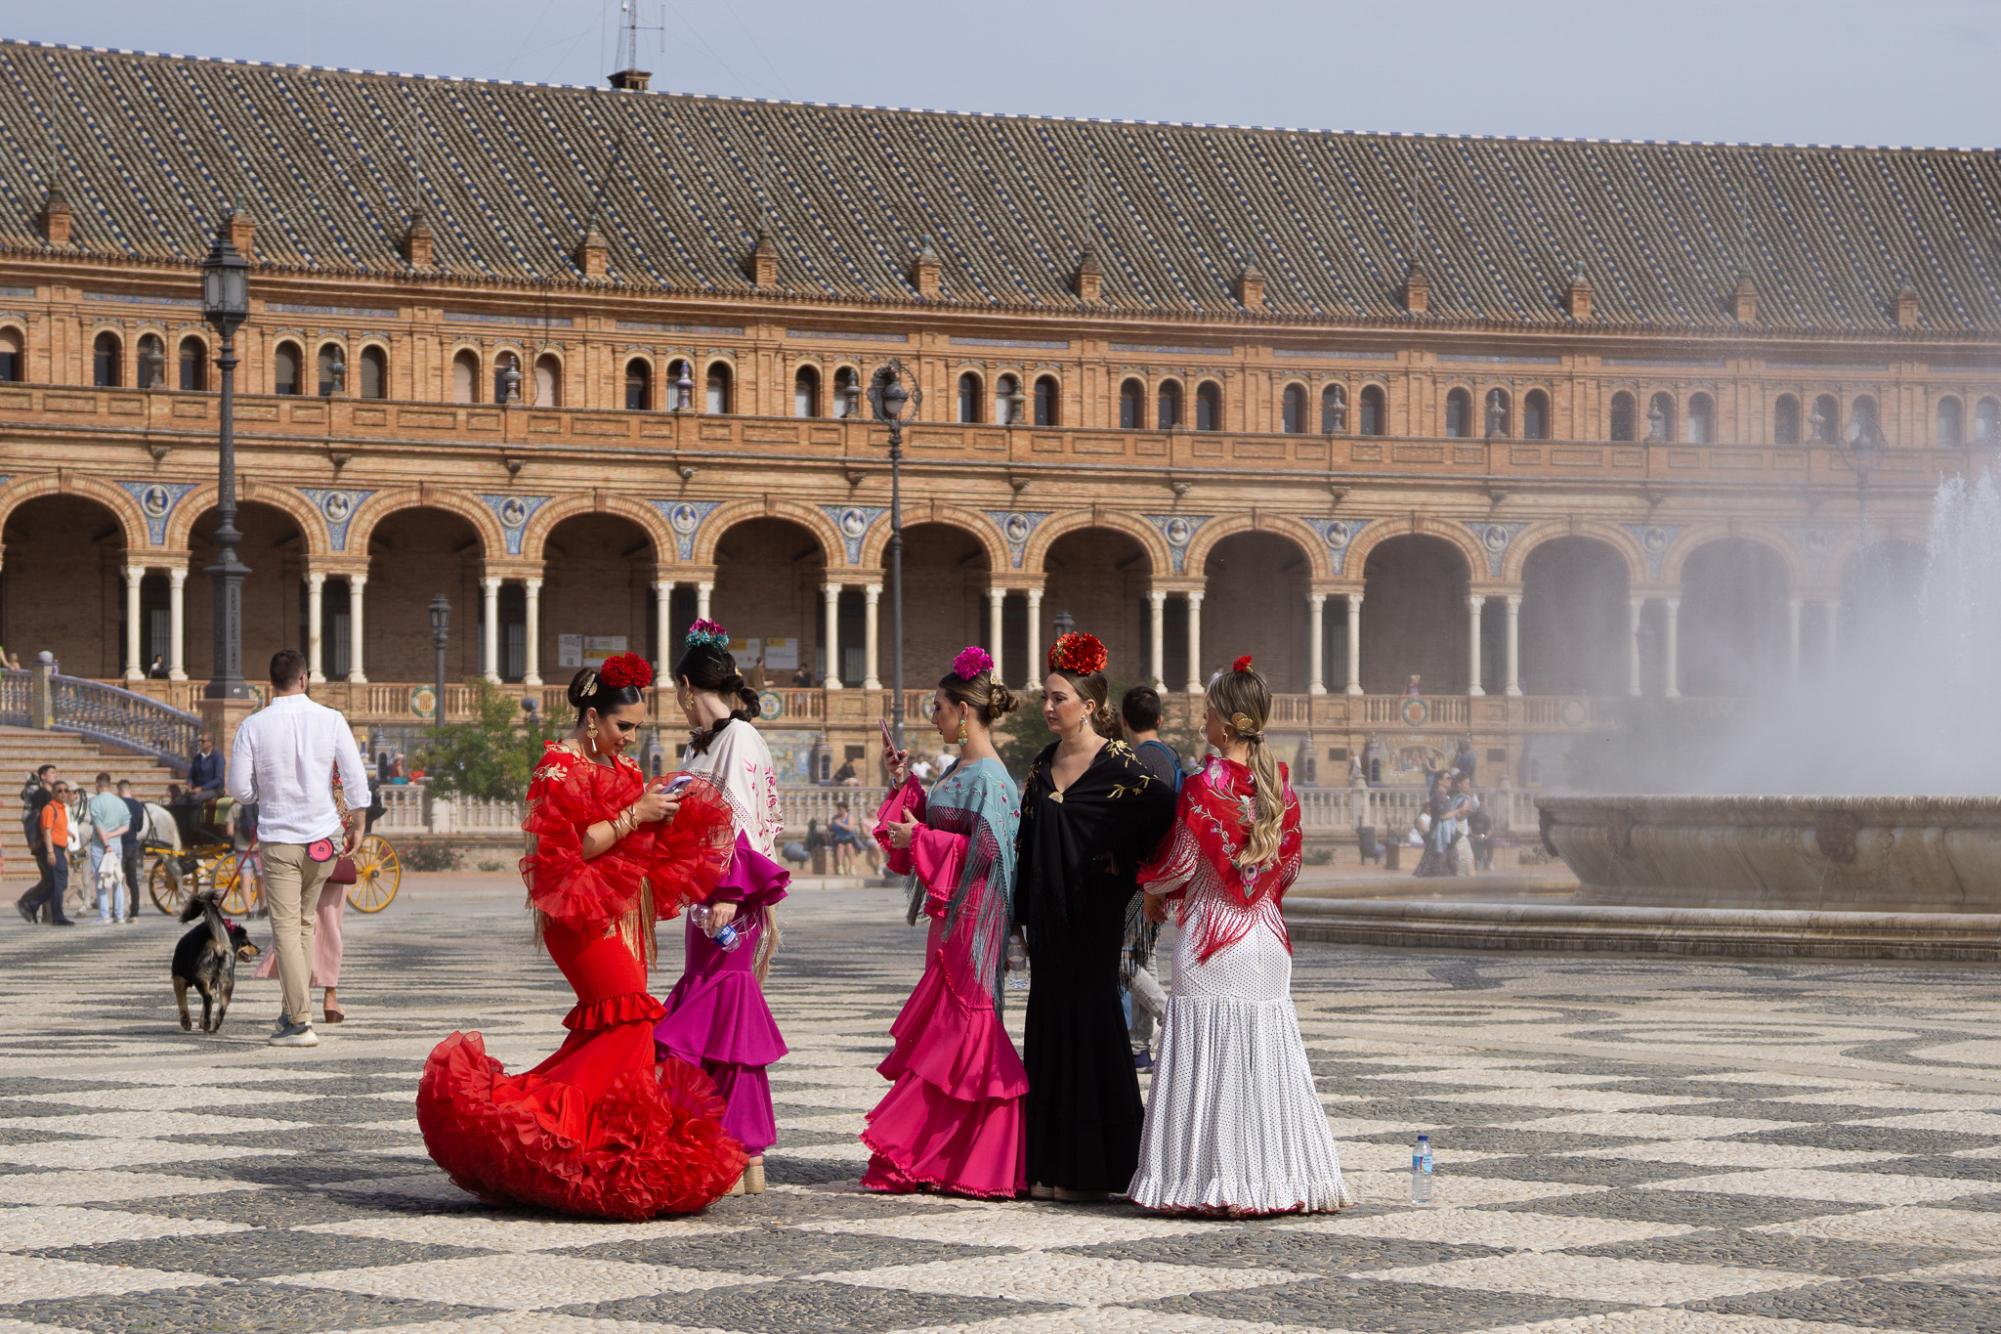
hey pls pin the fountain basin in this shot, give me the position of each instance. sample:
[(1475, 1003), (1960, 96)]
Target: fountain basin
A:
[(1797, 854)]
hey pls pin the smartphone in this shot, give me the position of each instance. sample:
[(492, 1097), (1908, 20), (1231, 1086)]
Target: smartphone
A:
[(680, 781), (888, 741)]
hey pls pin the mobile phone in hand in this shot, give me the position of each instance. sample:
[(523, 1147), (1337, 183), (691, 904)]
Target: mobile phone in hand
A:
[(680, 781), (888, 741)]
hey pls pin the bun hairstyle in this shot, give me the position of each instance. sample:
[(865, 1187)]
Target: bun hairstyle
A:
[(616, 682), (706, 665), (971, 682), (1080, 659), (1242, 700)]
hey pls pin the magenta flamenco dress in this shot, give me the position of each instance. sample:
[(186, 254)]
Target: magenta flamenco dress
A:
[(952, 1119)]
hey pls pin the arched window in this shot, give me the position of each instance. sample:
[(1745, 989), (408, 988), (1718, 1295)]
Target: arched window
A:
[(193, 358), (1951, 432), (680, 385), (1660, 417), (1168, 409), (638, 385), (548, 381), (506, 378), (152, 361), (970, 399), (1786, 420), (1535, 415), (806, 392), (1208, 406), (847, 392), (332, 366), (465, 377), (1622, 416), (13, 366), (1458, 412), (374, 373), (719, 387), (107, 357), (1008, 401), (1987, 422), (285, 359), (1497, 414), (1701, 420), (1375, 410), (1048, 401), (1292, 410), (1824, 426), (1865, 426), (1334, 410), (1132, 405)]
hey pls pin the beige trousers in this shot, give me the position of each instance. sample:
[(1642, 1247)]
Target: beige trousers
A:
[(292, 880)]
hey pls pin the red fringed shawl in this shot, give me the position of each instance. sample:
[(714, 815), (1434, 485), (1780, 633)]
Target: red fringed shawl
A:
[(1218, 806)]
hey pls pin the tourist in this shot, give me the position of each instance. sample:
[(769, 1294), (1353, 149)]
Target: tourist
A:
[(133, 844), (283, 763), (1091, 813), (604, 1127), (847, 840), (802, 677), (156, 670), (1414, 690), (952, 1121), (845, 776), (329, 935), (50, 841), (36, 794), (1234, 1124), (716, 1016), (1465, 760), (205, 771), (109, 819), (1461, 805), (1140, 992)]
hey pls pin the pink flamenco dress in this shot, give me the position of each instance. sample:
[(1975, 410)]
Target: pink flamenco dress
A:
[(952, 1120), (602, 1128)]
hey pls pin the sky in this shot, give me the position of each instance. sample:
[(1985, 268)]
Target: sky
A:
[(1898, 72)]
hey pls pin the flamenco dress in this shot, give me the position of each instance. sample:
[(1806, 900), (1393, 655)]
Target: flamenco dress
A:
[(953, 1118), (602, 1128), (1233, 1122)]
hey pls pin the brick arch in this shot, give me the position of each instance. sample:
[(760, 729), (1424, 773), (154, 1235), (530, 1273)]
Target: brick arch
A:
[(536, 536), (492, 541), (1672, 565), (312, 527), (1445, 530), (125, 509), (1210, 534), (833, 549), (1621, 541), (1160, 560), (974, 524)]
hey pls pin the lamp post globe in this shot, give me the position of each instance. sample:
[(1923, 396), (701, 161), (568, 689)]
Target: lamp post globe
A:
[(225, 292)]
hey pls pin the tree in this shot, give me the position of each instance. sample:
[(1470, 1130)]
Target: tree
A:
[(490, 758)]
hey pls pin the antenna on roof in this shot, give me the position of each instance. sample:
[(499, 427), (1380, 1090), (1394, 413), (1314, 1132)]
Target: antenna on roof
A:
[(629, 77)]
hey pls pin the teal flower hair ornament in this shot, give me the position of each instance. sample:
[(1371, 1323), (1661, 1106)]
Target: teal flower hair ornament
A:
[(707, 633)]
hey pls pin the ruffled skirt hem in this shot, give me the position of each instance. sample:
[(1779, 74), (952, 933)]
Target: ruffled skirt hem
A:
[(921, 1137), (1217, 1196)]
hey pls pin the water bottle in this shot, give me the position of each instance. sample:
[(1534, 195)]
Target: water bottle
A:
[(726, 937), (1420, 1171), (1017, 965)]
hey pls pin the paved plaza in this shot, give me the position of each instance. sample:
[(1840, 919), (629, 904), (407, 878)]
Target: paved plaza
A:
[(1624, 1144)]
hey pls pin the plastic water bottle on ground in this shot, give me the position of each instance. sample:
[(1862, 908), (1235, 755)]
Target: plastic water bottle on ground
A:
[(1017, 965), (1420, 1171), (726, 937)]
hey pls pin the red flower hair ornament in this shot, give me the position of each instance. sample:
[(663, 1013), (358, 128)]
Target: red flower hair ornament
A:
[(1078, 653), (1242, 664), (623, 670)]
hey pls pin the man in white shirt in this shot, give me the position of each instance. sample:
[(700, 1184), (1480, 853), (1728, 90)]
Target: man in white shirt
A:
[(284, 761)]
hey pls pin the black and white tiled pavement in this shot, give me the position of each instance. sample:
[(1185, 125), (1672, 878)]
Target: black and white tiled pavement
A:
[(1623, 1145)]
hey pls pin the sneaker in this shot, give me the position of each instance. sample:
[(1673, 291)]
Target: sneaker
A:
[(28, 915), (1142, 1060), (292, 1034)]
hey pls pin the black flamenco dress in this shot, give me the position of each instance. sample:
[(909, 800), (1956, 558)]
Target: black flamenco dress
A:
[(1080, 851)]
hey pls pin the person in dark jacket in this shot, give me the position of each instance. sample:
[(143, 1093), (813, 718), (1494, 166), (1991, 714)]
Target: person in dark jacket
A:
[(205, 771), (134, 842)]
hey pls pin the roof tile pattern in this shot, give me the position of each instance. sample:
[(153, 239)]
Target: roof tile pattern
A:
[(334, 164)]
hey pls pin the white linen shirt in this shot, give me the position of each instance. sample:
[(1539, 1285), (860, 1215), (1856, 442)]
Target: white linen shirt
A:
[(284, 760)]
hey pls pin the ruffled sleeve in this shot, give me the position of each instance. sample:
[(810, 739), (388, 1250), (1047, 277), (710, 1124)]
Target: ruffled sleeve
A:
[(689, 854), (938, 858), (901, 801), (583, 894)]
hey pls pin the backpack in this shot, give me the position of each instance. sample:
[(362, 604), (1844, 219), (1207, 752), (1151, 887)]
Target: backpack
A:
[(1173, 760)]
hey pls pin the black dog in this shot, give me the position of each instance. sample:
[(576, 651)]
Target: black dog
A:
[(206, 960)]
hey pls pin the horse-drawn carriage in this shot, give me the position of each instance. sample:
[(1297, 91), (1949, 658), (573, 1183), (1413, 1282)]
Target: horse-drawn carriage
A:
[(191, 847)]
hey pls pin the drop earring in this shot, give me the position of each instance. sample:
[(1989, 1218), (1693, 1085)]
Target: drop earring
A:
[(592, 734), (962, 731)]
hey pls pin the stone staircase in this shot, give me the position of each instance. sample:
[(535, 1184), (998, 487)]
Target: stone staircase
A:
[(80, 760)]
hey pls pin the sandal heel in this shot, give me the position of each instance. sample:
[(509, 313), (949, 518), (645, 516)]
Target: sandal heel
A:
[(753, 1177)]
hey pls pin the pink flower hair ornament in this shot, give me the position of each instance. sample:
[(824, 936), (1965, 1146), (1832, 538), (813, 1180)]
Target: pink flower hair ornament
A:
[(972, 663), (707, 633)]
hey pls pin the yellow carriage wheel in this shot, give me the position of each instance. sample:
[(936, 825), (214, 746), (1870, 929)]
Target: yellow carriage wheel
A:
[(378, 874), (239, 894), (169, 888)]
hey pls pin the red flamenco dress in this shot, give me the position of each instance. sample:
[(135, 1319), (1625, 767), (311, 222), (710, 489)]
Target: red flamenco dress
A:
[(601, 1128)]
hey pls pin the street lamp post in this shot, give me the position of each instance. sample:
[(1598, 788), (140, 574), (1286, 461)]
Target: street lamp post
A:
[(225, 292), (441, 633), (890, 399)]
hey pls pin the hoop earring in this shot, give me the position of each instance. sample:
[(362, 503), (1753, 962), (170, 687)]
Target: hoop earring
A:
[(592, 735)]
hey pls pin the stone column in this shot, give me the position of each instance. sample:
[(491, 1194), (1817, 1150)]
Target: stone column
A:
[(1671, 649), (1354, 643), (489, 630), (531, 606), (1473, 604), (1793, 608), (872, 637), (1514, 681), (135, 668), (663, 626), (356, 584), (177, 623), (1635, 607), (830, 640), (1034, 637), (316, 652), (1156, 634), (1316, 649), (703, 592), (996, 605), (1195, 683)]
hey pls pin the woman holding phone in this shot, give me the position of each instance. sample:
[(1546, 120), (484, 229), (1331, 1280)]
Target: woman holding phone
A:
[(716, 1016), (953, 1119)]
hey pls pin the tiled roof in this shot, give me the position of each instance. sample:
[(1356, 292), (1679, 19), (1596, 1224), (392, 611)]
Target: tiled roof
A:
[(332, 164)]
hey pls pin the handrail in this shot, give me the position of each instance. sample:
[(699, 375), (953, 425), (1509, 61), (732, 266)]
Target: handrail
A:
[(123, 718), (16, 696)]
